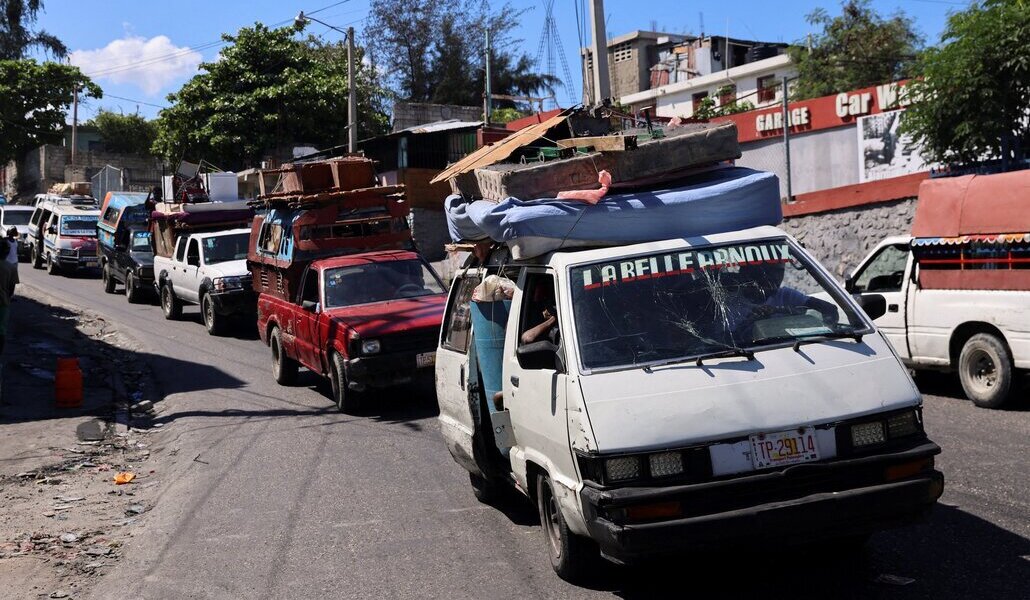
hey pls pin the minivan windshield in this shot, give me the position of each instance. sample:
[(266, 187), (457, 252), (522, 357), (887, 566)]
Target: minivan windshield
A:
[(223, 248), (702, 301), (379, 282), (79, 225)]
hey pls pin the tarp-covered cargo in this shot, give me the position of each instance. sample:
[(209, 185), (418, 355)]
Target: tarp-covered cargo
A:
[(169, 220)]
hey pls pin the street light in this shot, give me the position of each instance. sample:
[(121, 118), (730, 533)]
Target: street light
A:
[(352, 98)]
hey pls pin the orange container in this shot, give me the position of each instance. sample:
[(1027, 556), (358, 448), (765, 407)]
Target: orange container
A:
[(68, 383)]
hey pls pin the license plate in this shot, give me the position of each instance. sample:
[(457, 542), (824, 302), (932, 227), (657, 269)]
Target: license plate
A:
[(426, 359), (784, 448), (90, 261)]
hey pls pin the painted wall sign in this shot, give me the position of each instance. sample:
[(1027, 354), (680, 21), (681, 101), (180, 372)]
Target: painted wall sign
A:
[(827, 112)]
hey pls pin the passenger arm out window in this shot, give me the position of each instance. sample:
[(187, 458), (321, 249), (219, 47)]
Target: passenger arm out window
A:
[(538, 323)]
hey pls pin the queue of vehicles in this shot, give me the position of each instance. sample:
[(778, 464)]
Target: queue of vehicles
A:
[(653, 409)]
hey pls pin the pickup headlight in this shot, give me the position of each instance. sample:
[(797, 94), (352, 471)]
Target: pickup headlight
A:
[(226, 284), (371, 347)]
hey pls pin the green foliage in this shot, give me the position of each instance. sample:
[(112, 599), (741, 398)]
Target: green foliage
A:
[(268, 91), (434, 50), (129, 134), (971, 103), (706, 109), (856, 49), (16, 39), (33, 103), (501, 116)]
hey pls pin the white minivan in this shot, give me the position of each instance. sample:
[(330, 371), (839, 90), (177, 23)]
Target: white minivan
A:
[(680, 394)]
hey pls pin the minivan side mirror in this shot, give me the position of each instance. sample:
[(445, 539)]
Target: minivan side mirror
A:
[(849, 285), (51, 229), (541, 352), (874, 305)]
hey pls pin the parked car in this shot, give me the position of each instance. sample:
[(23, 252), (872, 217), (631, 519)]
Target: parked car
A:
[(208, 269), (125, 246), (958, 289), (681, 394), (64, 235), (366, 320), (17, 216)]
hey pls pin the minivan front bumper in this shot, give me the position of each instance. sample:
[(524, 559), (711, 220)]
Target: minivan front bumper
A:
[(846, 497)]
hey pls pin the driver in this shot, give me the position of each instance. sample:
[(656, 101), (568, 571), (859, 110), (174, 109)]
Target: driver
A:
[(759, 292)]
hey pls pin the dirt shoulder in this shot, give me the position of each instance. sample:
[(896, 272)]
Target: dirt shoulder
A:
[(64, 520)]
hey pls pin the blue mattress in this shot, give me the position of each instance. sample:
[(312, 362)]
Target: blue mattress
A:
[(725, 199)]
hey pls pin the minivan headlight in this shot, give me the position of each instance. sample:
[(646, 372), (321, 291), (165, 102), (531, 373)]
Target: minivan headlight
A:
[(665, 464), (902, 424), (622, 468), (867, 434), (371, 347)]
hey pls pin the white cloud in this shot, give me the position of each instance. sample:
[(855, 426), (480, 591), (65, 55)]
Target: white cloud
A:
[(148, 64)]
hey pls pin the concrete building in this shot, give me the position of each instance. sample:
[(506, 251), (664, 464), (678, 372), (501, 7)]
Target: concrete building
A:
[(630, 57)]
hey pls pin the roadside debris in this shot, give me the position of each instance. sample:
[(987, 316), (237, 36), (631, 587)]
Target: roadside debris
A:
[(124, 477)]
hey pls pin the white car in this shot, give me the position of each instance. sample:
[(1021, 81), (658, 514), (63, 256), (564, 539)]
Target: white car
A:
[(688, 394), (208, 269), (17, 216)]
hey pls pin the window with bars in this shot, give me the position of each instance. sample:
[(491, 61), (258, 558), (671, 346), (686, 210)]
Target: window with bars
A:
[(767, 88), (622, 52)]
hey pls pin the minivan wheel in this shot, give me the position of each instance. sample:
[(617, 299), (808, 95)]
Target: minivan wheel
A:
[(105, 276), (572, 556), (347, 401), (51, 265), (213, 321), (35, 258), (985, 369), (170, 305), (284, 368)]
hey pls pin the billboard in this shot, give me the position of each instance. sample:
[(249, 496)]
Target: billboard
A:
[(885, 152)]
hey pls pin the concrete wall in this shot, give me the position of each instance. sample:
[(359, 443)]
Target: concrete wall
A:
[(840, 239), (820, 160), (47, 165)]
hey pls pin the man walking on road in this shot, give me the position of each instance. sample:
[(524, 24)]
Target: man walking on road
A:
[(12, 256)]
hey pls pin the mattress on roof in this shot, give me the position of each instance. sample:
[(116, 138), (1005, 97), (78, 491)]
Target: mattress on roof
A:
[(725, 199)]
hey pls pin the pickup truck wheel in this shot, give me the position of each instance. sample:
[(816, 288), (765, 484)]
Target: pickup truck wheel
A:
[(347, 401), (35, 258), (284, 368), (214, 322), (985, 369), (105, 276), (170, 305), (572, 556), (132, 293)]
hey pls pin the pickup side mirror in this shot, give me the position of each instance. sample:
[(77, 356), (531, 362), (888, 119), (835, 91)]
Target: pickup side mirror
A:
[(874, 305), (311, 306)]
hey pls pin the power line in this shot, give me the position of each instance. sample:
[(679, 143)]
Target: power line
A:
[(134, 100)]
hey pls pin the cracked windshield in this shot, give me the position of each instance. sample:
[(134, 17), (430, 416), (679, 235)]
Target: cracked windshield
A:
[(697, 302)]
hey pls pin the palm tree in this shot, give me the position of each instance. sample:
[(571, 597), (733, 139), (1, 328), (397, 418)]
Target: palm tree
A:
[(16, 39)]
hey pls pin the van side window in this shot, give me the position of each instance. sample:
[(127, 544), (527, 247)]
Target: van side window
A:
[(457, 326), (538, 320), (111, 215), (35, 217), (885, 272), (180, 251)]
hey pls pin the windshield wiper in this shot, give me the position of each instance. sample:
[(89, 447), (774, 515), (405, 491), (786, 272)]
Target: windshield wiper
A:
[(699, 360), (828, 336)]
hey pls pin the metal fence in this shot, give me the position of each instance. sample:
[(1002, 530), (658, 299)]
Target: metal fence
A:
[(107, 179)]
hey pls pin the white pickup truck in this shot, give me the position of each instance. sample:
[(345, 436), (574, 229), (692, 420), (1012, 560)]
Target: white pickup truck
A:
[(209, 269), (958, 289)]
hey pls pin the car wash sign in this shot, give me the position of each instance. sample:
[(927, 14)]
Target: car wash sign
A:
[(642, 268), (826, 112)]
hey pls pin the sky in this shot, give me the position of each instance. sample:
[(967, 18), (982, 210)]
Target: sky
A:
[(140, 51)]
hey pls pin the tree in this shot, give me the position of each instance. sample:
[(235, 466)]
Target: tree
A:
[(857, 49), (33, 103), (971, 100), (267, 91), (16, 39), (130, 134), (434, 51)]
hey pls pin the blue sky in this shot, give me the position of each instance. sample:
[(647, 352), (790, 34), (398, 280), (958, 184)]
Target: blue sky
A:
[(139, 51)]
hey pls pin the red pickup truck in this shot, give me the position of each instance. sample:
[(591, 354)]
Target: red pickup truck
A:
[(363, 320)]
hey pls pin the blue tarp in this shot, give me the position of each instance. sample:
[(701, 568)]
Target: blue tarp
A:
[(725, 199)]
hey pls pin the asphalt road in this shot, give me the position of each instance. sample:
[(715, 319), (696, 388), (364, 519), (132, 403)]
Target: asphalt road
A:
[(268, 492)]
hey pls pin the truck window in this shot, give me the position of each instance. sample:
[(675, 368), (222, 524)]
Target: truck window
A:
[(885, 272), (271, 238), (180, 250), (309, 291), (111, 215), (458, 323), (223, 248), (193, 254)]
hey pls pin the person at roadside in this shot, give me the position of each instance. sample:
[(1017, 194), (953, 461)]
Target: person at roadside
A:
[(7, 277), (12, 256)]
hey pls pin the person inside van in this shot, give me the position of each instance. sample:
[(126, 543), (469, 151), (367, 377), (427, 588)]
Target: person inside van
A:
[(544, 302), (757, 292)]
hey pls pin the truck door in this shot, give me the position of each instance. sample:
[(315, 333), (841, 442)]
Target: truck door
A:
[(457, 380), (535, 380), (886, 272), (186, 285), (308, 343)]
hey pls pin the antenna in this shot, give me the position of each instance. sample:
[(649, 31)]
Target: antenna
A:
[(701, 23), (551, 46)]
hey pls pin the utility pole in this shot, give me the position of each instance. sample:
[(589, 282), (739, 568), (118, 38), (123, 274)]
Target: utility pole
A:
[(488, 101), (352, 100), (602, 84), (786, 139), (75, 126)]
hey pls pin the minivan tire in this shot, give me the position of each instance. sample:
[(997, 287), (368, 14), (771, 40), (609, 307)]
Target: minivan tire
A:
[(214, 322), (170, 305), (284, 368), (105, 276), (347, 400), (986, 371), (573, 557), (35, 258), (51, 265)]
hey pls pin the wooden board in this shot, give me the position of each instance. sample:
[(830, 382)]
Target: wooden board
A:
[(601, 143)]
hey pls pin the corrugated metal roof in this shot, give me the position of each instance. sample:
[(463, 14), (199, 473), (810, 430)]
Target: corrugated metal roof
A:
[(438, 126)]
